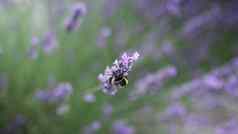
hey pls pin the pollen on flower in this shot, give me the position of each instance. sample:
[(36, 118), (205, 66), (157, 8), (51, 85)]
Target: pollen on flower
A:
[(120, 68)]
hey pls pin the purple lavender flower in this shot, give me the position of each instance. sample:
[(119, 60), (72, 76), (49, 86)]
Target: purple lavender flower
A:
[(49, 42), (107, 110), (153, 82), (229, 127), (213, 82), (173, 7), (120, 68), (73, 22), (34, 41), (57, 95), (93, 127), (15, 125), (61, 91), (176, 110), (89, 98), (196, 120), (104, 34), (62, 109), (120, 127), (231, 87), (33, 52)]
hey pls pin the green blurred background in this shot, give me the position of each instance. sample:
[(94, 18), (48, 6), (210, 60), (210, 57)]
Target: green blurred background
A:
[(78, 59)]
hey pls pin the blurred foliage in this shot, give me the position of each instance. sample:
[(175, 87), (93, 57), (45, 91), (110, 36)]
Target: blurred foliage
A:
[(79, 60)]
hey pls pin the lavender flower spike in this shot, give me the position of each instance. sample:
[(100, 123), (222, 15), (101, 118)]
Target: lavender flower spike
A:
[(120, 127), (120, 68), (56, 95), (74, 20)]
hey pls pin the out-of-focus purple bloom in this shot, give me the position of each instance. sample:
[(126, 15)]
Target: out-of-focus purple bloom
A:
[(43, 95), (196, 120), (35, 41), (213, 82), (33, 51), (168, 48), (223, 77), (229, 127), (62, 109), (110, 7), (56, 95), (153, 82), (107, 110), (104, 34), (173, 7), (49, 42), (89, 98), (74, 20), (15, 125), (93, 127), (197, 23), (176, 110), (231, 87), (120, 68), (120, 127), (61, 91), (151, 9), (96, 125)]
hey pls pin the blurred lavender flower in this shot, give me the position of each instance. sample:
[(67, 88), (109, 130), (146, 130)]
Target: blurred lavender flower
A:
[(104, 34), (198, 23), (153, 82), (176, 110), (110, 7), (89, 98), (107, 110), (173, 7), (14, 127), (220, 78), (93, 127), (49, 43), (231, 87), (213, 82), (229, 127), (196, 120), (120, 127), (33, 52), (73, 22), (56, 95), (120, 68), (62, 109)]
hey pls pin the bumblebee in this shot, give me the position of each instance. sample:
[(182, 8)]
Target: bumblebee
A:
[(119, 81)]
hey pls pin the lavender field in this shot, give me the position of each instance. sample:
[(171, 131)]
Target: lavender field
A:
[(118, 67)]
